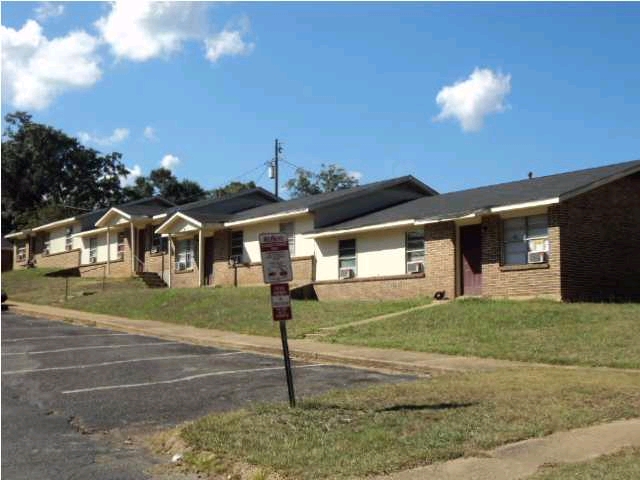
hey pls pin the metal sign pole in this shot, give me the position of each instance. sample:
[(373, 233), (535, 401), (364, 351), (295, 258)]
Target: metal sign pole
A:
[(287, 362)]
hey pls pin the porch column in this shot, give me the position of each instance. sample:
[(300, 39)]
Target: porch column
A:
[(200, 257), (132, 249), (108, 250)]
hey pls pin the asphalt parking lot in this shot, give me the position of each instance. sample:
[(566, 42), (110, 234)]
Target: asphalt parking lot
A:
[(66, 387)]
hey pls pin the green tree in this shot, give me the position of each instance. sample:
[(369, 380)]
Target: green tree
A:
[(329, 179), (45, 172), (231, 188), (163, 182)]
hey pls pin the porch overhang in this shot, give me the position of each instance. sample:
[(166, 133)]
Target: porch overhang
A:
[(180, 223)]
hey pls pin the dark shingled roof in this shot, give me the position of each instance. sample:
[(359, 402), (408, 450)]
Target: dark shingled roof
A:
[(217, 210), (144, 207), (464, 202), (313, 202)]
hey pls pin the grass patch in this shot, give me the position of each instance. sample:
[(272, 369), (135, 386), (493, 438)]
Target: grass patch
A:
[(623, 465), (530, 331), (242, 310), (389, 428)]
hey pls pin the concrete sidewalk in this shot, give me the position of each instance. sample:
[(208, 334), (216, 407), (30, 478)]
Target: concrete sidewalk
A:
[(522, 459), (385, 359)]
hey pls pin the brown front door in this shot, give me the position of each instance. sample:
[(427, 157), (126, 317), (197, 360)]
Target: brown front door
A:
[(470, 244), (208, 261)]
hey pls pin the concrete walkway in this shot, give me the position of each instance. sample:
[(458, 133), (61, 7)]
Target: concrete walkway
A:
[(522, 459), (385, 359)]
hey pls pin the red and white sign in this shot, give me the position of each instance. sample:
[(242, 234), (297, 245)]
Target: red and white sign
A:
[(280, 301), (276, 261)]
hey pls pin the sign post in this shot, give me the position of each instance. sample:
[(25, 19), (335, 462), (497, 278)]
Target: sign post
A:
[(276, 271)]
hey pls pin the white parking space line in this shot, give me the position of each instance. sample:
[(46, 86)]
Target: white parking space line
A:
[(117, 362), (72, 349), (185, 379), (52, 337)]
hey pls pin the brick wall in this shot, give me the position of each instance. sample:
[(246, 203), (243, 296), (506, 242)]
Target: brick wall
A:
[(188, 278), (384, 288), (440, 257), (601, 243), (519, 280), (20, 264), (68, 259)]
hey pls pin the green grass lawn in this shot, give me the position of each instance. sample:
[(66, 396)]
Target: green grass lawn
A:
[(623, 465), (531, 331), (386, 428), (243, 310)]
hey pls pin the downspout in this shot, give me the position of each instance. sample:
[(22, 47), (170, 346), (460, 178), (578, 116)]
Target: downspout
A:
[(131, 247), (171, 263), (109, 251), (200, 256)]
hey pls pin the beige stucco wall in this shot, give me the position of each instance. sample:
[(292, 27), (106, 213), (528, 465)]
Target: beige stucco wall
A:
[(378, 254), (102, 246), (57, 238)]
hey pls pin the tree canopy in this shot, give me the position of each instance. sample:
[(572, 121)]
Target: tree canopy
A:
[(47, 174), (330, 178), (163, 182), (232, 188)]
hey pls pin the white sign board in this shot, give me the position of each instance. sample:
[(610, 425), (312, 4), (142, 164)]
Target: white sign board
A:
[(276, 261)]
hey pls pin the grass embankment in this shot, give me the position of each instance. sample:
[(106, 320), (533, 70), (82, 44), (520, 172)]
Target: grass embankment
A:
[(389, 428), (623, 465), (242, 310), (530, 331)]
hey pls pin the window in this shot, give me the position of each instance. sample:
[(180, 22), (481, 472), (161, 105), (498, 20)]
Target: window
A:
[(159, 244), (121, 241), (414, 247), (93, 249), (289, 229), (237, 245), (68, 239), (524, 235), (46, 243), (21, 246), (184, 255), (347, 258)]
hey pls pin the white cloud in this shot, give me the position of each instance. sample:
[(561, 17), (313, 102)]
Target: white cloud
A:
[(35, 69), (355, 174), (471, 100), (169, 161), (149, 133), (129, 179), (48, 10), (229, 42), (118, 135), (143, 30)]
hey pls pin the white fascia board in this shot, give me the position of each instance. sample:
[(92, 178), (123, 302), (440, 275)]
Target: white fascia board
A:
[(159, 216), (449, 219), (520, 206), (90, 233), (18, 235), (368, 228), (110, 212), (59, 223), (166, 226), (266, 218)]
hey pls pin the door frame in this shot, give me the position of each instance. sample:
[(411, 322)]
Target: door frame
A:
[(460, 257)]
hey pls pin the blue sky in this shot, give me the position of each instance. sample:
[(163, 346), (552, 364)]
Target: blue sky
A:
[(458, 95)]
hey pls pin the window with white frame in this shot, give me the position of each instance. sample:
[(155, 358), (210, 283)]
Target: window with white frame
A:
[(159, 244), (21, 250), (525, 240), (184, 254), (414, 248), (93, 249), (289, 229), (347, 267), (46, 243), (68, 239), (237, 246), (122, 237)]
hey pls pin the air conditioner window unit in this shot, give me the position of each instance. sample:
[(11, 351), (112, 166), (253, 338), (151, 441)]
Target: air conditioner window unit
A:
[(415, 267), (45, 251), (536, 257), (154, 250), (347, 272), (120, 255), (181, 266), (67, 247), (93, 259)]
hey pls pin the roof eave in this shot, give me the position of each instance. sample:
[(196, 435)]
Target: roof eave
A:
[(58, 223), (599, 183), (266, 218), (165, 228), (367, 228)]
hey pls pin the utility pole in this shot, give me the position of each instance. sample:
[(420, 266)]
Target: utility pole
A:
[(278, 150)]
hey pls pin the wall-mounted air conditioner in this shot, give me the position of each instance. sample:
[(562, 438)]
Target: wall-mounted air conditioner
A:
[(347, 272), (536, 257), (68, 247), (93, 259), (180, 266), (415, 267)]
